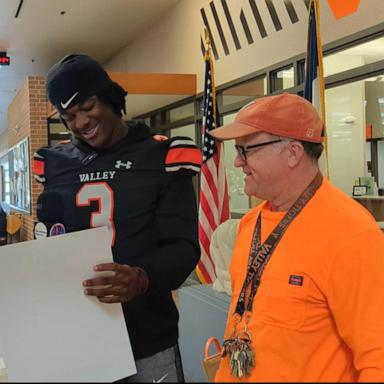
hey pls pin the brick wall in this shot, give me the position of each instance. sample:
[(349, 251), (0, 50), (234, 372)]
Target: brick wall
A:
[(27, 117)]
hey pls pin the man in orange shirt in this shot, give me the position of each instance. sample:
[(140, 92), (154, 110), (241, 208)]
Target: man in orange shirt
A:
[(307, 269)]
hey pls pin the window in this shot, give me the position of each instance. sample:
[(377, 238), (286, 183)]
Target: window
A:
[(374, 105), (357, 56), (57, 132), (380, 101), (20, 197), (238, 200), (157, 121), (282, 79), (186, 130), (57, 128), (246, 91), (301, 72), (182, 112), (354, 114), (4, 179)]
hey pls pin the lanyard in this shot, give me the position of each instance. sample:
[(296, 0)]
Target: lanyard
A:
[(261, 253), (239, 345)]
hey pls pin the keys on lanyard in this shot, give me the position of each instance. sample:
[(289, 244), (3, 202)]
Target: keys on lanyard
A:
[(242, 357)]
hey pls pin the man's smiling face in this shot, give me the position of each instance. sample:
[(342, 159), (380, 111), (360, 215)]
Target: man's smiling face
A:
[(93, 121)]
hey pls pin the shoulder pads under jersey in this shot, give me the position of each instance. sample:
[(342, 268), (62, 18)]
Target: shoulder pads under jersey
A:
[(38, 162), (183, 155), (38, 166)]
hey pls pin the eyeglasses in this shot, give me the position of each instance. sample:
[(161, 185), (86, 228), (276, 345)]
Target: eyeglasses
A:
[(242, 150)]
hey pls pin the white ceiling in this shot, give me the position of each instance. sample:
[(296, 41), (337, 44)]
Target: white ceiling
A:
[(46, 30)]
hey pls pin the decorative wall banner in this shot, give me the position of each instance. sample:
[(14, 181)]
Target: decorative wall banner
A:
[(342, 8), (263, 11), (245, 23)]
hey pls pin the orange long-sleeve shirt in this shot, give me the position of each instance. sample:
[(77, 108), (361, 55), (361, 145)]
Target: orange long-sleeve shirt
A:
[(318, 314)]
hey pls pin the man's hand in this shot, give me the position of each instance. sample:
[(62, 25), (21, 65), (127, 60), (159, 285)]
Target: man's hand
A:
[(124, 285)]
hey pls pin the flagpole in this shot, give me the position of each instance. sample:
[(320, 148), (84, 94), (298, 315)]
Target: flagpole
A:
[(321, 67), (321, 79), (208, 56), (314, 13)]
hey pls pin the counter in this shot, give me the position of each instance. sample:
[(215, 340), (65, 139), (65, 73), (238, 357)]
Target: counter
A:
[(374, 204)]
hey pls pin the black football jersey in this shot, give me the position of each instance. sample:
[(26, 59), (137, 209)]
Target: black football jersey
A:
[(141, 189)]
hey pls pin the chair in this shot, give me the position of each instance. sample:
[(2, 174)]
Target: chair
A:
[(222, 242), (13, 225)]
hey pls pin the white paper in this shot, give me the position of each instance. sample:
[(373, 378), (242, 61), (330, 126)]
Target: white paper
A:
[(49, 330)]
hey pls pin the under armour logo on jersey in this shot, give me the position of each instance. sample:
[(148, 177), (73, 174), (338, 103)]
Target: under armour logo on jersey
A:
[(119, 164)]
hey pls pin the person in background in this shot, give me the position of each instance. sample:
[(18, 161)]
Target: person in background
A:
[(307, 269), (117, 174)]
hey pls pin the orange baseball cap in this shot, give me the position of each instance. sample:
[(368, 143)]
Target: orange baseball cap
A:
[(285, 115)]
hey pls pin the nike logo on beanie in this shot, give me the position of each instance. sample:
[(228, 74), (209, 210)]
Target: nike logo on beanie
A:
[(65, 105)]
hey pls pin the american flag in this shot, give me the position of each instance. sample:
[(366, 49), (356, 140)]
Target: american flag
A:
[(214, 204)]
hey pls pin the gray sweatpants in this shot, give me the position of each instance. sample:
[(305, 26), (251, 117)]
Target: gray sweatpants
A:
[(163, 367)]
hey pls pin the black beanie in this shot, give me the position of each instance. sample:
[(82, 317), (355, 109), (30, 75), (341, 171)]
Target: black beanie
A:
[(75, 78)]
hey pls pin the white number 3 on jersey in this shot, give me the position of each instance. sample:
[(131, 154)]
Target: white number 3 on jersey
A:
[(103, 194)]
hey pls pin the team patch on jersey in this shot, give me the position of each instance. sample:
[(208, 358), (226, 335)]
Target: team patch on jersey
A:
[(183, 154), (38, 168)]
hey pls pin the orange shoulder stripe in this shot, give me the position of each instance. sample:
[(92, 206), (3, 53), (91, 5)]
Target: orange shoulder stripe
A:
[(183, 155), (38, 167)]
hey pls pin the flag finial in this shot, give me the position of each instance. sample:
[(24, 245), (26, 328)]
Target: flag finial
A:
[(207, 40)]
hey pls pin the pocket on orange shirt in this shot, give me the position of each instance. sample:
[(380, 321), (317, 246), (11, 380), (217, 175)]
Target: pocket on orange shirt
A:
[(282, 300)]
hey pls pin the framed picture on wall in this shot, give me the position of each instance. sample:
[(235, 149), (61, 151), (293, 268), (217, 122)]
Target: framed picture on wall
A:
[(20, 195), (360, 190)]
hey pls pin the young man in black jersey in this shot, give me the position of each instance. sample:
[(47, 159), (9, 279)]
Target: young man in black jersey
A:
[(116, 173)]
